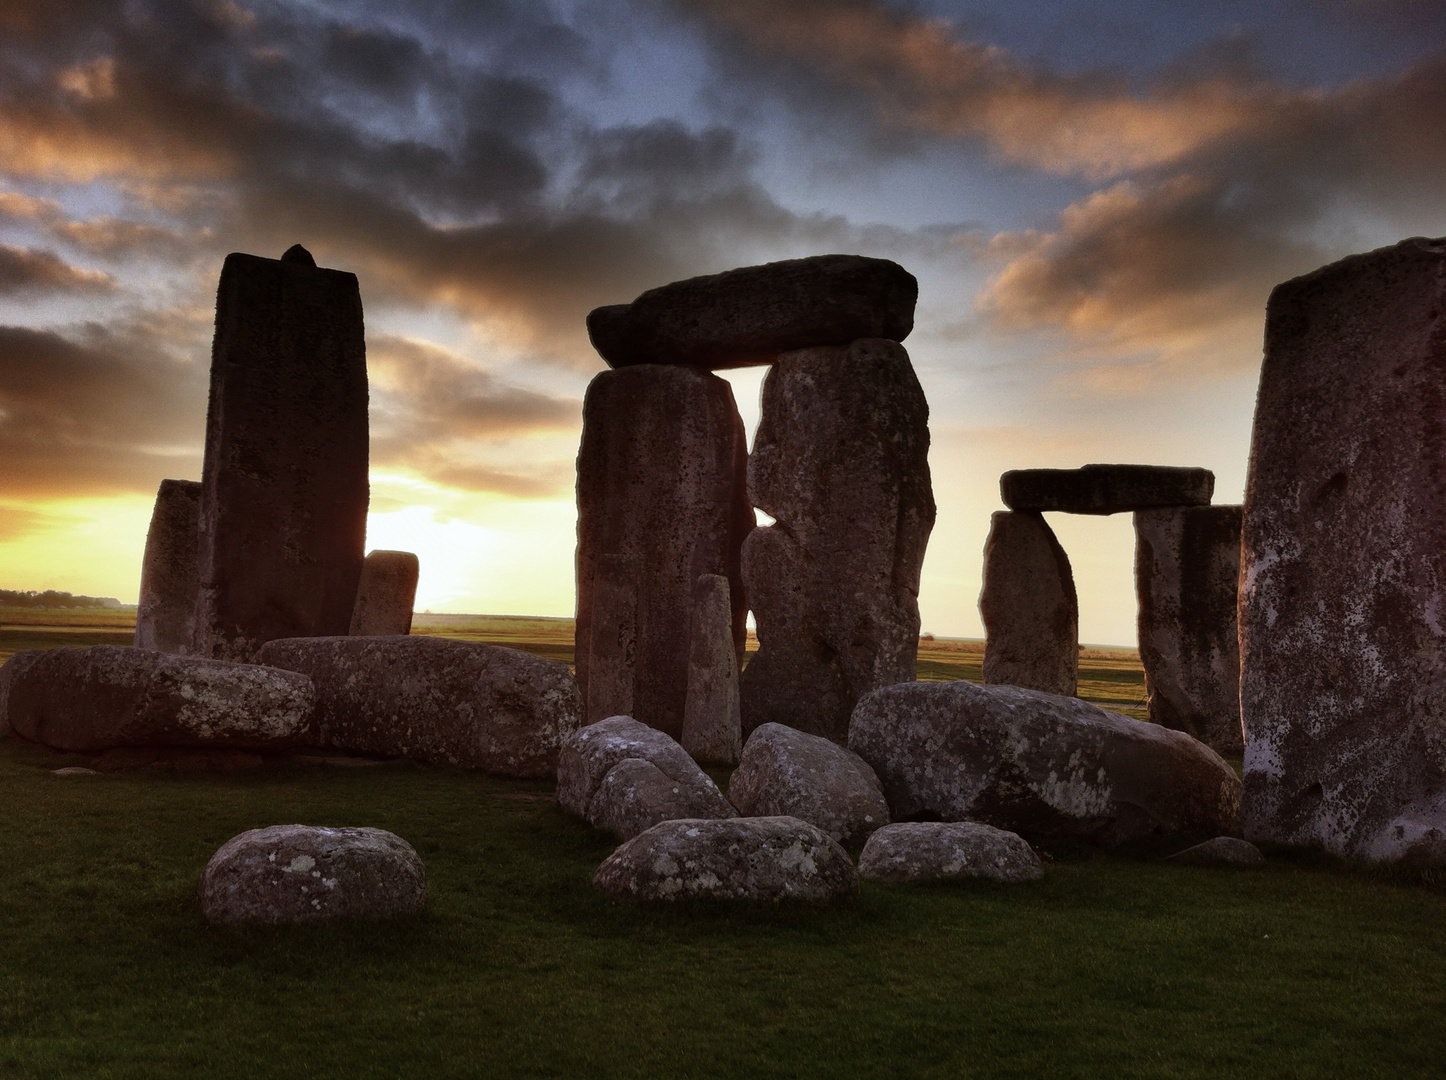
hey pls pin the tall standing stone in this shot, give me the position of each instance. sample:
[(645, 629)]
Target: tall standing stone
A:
[(1343, 561), (168, 569), (386, 594), (613, 654), (660, 478), (1029, 607), (1187, 565), (283, 511), (712, 724), (840, 461)]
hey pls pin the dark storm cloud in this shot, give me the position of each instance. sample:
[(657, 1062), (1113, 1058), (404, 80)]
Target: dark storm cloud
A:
[(28, 270)]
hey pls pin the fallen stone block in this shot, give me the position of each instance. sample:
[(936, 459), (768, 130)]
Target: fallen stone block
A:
[(947, 851), (167, 602), (1028, 606), (386, 594), (1106, 489)]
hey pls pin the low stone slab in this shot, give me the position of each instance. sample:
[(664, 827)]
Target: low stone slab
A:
[(753, 858), (788, 772), (1038, 764), (386, 594), (432, 699), (624, 776), (306, 874), (1106, 489), (111, 695), (750, 315), (1222, 851), (947, 850)]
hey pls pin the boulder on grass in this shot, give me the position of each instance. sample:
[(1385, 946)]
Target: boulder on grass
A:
[(794, 774), (304, 874), (1222, 851), (1038, 764), (757, 858), (624, 776), (433, 699), (934, 850), (112, 695)]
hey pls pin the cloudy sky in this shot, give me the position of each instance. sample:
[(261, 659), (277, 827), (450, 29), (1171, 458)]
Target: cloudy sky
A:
[(1095, 197)]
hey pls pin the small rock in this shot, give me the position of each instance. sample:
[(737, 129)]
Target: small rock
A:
[(74, 770), (1106, 489), (386, 594), (756, 858), (927, 850), (304, 873), (1222, 851)]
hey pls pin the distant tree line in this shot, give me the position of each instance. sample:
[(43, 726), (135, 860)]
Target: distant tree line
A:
[(50, 598)]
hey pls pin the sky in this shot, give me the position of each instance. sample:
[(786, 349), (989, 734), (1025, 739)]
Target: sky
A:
[(1096, 199)]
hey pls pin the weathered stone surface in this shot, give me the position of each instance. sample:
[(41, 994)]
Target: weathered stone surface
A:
[(1343, 562), (840, 460), (284, 505), (307, 874), (1187, 568), (111, 695), (712, 726), (794, 774), (1029, 607), (1038, 764), (750, 315), (1221, 851), (612, 657), (433, 699), (168, 569), (1106, 489), (757, 858), (386, 594), (655, 778), (661, 478), (932, 850)]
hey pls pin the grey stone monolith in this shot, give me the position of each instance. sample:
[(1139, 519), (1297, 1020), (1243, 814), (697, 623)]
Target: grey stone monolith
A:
[(1106, 489), (284, 503), (386, 594), (1343, 562), (168, 569), (1187, 566), (661, 478), (613, 652), (712, 725), (1028, 605), (840, 461)]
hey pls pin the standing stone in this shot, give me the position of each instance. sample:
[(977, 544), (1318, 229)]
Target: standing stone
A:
[(386, 594), (1343, 562), (613, 653), (168, 569), (283, 511), (1029, 608), (840, 460), (661, 479), (1187, 564), (712, 728)]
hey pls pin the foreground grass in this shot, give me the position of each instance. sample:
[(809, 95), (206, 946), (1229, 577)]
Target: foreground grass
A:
[(1113, 965)]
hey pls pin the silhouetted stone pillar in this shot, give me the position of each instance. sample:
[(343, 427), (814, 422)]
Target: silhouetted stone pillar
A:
[(386, 594), (613, 652), (840, 461), (283, 511), (1029, 608), (168, 569), (1187, 566), (660, 478), (712, 724)]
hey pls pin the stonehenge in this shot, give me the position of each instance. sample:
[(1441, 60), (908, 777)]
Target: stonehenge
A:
[(168, 569)]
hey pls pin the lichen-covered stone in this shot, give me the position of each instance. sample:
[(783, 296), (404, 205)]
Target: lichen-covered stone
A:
[(1106, 489), (433, 699), (386, 594), (1221, 851), (712, 724), (1028, 606), (167, 602), (752, 859), (947, 850), (308, 874)]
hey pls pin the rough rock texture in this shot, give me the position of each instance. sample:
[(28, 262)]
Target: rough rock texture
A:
[(840, 460), (1222, 851), (1106, 489), (386, 594), (168, 569), (1343, 562), (305, 874), (712, 726), (284, 505), (758, 858), (661, 478), (624, 776), (791, 773), (1029, 607), (750, 315), (447, 702), (930, 850), (1038, 764), (111, 695), (1187, 566), (612, 656)]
